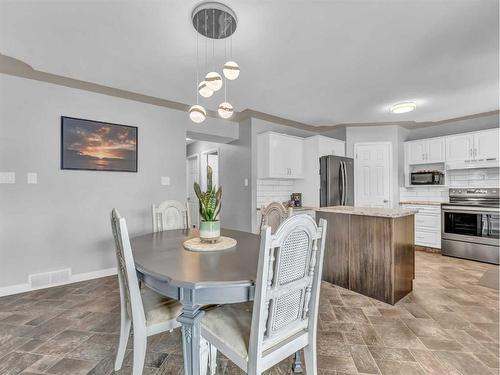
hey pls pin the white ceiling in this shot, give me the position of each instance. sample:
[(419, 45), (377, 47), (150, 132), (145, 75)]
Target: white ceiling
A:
[(317, 62)]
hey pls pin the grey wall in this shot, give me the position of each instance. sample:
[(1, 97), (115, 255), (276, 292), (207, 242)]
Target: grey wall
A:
[(63, 221), (337, 133), (234, 167), (455, 127), (390, 133)]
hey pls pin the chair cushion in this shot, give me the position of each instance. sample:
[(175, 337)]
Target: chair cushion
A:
[(230, 324), (158, 308)]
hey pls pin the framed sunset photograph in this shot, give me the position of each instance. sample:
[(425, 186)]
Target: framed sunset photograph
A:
[(98, 146)]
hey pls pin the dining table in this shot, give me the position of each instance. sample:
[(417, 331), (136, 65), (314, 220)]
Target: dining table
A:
[(197, 279)]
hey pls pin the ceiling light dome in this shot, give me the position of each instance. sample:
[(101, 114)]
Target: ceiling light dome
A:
[(214, 81), (225, 110), (197, 113), (403, 107), (204, 90), (231, 70)]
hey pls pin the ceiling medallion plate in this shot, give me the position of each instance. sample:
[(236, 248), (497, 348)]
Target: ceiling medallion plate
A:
[(214, 20)]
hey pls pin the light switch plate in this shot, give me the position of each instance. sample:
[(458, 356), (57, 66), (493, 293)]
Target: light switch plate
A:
[(245, 182), (32, 178), (165, 180), (7, 177)]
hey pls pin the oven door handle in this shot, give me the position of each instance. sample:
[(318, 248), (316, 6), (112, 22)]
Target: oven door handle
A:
[(472, 210)]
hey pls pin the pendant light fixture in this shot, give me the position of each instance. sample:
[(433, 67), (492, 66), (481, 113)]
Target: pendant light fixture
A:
[(213, 79), (214, 21), (197, 113), (231, 69)]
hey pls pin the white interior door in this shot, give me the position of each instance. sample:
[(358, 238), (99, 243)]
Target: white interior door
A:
[(193, 175), (373, 174)]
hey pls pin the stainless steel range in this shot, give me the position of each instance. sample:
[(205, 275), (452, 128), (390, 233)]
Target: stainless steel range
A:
[(470, 224)]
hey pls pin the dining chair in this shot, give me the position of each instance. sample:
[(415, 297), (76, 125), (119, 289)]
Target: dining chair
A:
[(283, 317), (149, 312), (273, 215), (171, 214)]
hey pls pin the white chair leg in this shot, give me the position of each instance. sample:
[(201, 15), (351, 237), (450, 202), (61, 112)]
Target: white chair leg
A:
[(310, 359), (122, 345), (213, 359), (204, 356), (140, 342)]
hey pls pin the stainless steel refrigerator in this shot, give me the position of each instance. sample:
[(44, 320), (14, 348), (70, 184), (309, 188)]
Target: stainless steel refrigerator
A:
[(337, 181)]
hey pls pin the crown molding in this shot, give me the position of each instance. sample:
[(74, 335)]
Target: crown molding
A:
[(15, 67)]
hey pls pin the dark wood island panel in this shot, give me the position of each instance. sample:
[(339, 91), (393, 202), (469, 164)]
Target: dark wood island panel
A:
[(371, 255)]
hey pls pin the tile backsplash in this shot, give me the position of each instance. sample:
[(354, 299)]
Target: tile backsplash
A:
[(273, 191), (487, 177)]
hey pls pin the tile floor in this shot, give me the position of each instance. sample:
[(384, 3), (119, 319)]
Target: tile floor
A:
[(448, 325)]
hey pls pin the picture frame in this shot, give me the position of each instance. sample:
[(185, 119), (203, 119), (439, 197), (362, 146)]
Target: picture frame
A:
[(98, 146)]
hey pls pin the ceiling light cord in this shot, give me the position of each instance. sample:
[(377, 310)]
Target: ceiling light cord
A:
[(213, 39), (197, 64)]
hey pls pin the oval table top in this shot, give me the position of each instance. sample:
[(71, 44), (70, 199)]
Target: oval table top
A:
[(163, 256)]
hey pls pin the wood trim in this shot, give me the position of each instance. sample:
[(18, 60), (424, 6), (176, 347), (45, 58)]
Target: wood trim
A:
[(15, 67)]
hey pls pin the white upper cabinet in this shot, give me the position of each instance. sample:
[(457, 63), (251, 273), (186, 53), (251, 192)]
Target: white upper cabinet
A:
[(459, 147), (425, 151), (415, 152), (279, 156), (486, 145), (482, 145), (435, 150), (330, 146)]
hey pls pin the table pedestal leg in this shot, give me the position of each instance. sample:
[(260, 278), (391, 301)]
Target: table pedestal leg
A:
[(191, 335), (297, 363)]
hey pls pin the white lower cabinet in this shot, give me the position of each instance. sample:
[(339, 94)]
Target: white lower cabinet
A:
[(427, 225)]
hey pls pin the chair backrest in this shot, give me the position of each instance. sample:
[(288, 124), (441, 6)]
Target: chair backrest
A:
[(273, 215), (130, 294), (171, 215), (288, 282)]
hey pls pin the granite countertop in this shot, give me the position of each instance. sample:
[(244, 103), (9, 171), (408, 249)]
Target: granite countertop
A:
[(368, 211), (426, 203), (302, 208)]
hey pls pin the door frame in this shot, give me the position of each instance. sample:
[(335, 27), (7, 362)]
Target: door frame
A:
[(391, 174), (203, 154), (197, 157)]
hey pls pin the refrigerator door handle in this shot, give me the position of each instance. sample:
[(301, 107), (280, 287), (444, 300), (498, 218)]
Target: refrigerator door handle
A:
[(341, 183), (345, 184), (342, 178)]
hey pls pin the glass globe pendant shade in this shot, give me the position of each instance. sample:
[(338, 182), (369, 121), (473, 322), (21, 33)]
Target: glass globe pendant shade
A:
[(204, 90), (214, 81), (225, 110), (197, 113), (231, 70)]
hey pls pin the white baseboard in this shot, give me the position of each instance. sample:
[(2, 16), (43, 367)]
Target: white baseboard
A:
[(22, 288)]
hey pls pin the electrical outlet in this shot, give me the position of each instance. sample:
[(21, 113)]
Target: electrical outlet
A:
[(32, 178), (7, 177), (165, 180)]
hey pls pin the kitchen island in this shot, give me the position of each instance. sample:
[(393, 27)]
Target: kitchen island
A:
[(370, 250)]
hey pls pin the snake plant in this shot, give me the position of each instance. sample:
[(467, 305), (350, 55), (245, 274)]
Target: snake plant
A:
[(210, 200)]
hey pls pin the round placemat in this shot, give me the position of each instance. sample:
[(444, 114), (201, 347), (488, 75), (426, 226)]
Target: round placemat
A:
[(223, 243)]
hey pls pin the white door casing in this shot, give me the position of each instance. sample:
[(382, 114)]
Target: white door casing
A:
[(193, 175), (373, 174)]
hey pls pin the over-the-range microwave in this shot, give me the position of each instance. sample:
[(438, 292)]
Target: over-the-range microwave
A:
[(427, 178)]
